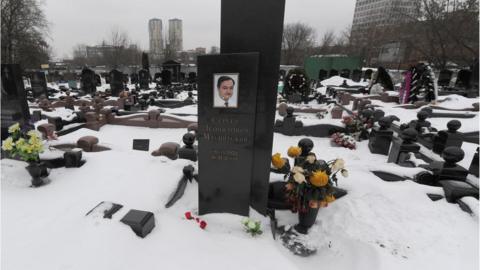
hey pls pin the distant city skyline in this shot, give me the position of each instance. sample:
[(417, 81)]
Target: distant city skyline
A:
[(90, 21)]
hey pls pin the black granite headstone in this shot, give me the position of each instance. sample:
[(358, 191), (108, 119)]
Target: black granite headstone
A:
[(14, 100), (380, 138), (87, 81), (166, 77), (322, 74), (444, 77), (401, 147), (244, 28), (144, 77), (116, 82), (450, 137), (39, 84), (226, 134), (98, 80)]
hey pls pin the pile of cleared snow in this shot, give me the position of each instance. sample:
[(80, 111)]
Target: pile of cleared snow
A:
[(338, 81), (456, 102)]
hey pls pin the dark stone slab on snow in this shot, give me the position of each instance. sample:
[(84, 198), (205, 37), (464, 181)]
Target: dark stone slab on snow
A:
[(141, 222), (141, 144), (389, 177), (434, 197), (458, 189)]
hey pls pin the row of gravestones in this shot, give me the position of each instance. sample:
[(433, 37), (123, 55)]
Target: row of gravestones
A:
[(117, 79)]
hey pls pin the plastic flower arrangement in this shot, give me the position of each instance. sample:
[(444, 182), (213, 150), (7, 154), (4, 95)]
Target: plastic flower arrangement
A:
[(252, 227), (23, 143), (310, 182)]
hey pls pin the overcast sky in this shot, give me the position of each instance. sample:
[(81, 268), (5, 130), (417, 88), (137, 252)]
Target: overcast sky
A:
[(90, 21)]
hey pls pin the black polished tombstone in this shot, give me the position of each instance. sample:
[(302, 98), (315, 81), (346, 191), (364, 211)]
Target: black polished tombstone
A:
[(450, 137), (98, 80), (226, 135), (87, 81), (39, 84), (381, 138), (244, 28), (289, 124), (322, 74), (368, 74), (192, 77), (402, 147), (345, 73), (166, 77), (134, 78), (463, 79), (144, 78), (448, 170), (333, 72), (444, 78), (14, 99), (116, 82), (356, 75)]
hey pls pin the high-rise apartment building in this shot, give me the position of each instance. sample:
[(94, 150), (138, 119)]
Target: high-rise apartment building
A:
[(156, 37), (175, 34), (377, 13)]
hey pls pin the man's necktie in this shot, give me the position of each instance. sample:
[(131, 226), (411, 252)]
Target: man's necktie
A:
[(226, 104)]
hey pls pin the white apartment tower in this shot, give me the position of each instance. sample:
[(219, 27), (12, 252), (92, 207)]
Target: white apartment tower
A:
[(175, 34), (156, 37), (372, 13)]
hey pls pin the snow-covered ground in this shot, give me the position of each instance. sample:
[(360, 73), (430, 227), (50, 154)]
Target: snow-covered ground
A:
[(378, 225)]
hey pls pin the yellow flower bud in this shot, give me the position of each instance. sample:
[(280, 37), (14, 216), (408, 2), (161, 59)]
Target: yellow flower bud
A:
[(319, 179), (277, 161), (294, 151), (329, 198)]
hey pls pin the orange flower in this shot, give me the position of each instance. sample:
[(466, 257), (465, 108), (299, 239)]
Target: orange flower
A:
[(277, 161), (329, 198), (294, 151), (319, 179)]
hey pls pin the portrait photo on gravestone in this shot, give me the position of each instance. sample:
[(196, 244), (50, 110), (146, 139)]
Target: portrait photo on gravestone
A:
[(225, 90)]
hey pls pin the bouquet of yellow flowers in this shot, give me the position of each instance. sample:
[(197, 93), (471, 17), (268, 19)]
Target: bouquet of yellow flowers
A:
[(25, 144), (310, 181)]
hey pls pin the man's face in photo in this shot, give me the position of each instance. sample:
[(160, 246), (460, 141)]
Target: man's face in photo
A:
[(226, 89)]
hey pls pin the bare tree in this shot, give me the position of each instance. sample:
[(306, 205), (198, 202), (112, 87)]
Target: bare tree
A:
[(24, 29), (442, 31), (327, 42), (298, 41), (115, 47)]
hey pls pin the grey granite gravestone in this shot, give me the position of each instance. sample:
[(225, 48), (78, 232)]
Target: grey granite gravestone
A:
[(226, 134), (244, 28), (39, 84), (14, 100)]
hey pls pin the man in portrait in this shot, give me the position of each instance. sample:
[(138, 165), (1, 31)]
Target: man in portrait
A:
[(226, 92)]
